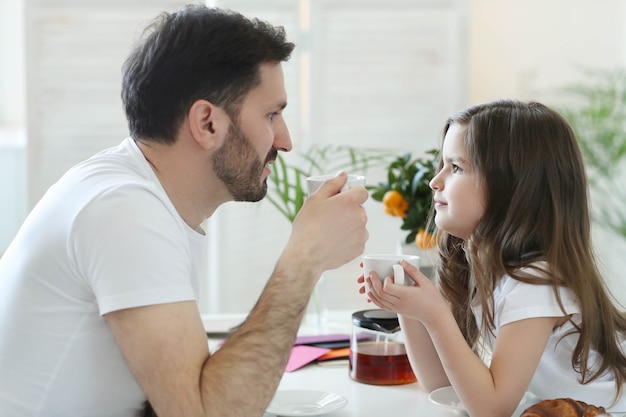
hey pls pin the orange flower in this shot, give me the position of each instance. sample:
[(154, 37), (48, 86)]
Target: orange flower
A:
[(401, 209), (395, 204), (392, 198), (425, 240)]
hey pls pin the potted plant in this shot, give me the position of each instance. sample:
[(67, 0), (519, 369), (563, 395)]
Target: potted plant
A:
[(406, 194)]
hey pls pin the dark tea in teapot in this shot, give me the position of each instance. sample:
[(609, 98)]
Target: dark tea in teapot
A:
[(377, 352)]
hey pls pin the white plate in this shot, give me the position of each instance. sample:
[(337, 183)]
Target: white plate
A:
[(305, 403), (446, 397)]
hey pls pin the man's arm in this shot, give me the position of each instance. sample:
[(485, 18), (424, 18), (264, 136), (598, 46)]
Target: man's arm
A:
[(172, 364), (165, 345)]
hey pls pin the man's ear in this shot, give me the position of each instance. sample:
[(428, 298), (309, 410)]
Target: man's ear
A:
[(208, 124)]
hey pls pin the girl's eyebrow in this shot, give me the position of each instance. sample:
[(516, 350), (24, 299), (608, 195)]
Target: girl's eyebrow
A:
[(456, 159)]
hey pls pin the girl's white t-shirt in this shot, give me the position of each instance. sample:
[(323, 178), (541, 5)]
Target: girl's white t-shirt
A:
[(105, 237), (555, 377)]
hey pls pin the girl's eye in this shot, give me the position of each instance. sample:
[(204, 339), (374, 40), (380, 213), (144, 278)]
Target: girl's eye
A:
[(456, 168)]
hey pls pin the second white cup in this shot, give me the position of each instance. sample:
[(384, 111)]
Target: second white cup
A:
[(389, 264)]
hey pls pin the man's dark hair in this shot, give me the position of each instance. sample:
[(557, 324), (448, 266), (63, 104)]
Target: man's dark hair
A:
[(195, 53)]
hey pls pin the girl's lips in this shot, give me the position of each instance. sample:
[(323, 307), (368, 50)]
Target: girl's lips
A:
[(439, 204)]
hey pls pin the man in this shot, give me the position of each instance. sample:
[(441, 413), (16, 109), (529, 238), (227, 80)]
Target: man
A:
[(98, 291)]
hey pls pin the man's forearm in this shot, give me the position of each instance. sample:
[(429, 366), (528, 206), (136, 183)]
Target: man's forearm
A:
[(259, 349)]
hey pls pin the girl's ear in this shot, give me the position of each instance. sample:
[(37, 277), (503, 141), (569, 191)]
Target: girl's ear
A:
[(208, 124)]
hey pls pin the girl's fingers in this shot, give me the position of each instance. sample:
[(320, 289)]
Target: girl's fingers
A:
[(411, 270)]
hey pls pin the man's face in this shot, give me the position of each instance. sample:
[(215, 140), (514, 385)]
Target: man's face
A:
[(252, 142)]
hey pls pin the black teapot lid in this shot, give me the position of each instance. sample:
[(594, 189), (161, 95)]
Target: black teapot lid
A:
[(378, 320)]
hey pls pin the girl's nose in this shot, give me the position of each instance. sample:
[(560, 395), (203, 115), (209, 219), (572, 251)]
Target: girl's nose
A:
[(434, 184)]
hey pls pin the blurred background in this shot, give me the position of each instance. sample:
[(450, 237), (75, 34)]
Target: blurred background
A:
[(365, 73)]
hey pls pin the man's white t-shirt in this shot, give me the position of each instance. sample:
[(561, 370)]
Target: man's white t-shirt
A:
[(105, 237), (555, 377)]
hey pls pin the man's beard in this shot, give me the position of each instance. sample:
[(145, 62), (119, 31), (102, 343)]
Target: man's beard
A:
[(237, 164)]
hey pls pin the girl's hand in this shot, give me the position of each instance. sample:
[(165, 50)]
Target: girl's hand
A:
[(421, 302)]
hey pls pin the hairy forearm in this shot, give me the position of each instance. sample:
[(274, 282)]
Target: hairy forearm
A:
[(248, 368), (328, 231)]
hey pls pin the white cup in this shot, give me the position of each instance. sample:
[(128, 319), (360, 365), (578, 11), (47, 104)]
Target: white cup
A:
[(314, 182), (389, 264)]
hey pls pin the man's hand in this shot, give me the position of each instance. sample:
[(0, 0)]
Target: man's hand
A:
[(330, 228)]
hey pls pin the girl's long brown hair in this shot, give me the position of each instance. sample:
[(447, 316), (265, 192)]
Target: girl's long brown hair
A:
[(536, 210)]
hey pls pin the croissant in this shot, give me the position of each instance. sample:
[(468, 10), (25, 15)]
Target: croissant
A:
[(563, 407)]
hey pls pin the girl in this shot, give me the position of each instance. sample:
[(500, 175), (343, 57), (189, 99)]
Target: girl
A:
[(516, 270)]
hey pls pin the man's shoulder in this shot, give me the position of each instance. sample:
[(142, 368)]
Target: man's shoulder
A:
[(119, 167)]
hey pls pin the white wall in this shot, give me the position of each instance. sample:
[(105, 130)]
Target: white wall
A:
[(529, 49)]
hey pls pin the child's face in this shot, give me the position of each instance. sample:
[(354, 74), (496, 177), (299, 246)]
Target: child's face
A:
[(459, 195)]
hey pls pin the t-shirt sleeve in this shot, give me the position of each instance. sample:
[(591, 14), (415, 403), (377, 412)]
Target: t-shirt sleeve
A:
[(132, 249), (519, 300)]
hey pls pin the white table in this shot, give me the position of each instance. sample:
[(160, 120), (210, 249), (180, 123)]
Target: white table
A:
[(408, 400), (363, 399)]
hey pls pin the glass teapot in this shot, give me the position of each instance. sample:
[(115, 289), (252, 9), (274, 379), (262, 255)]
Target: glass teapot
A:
[(377, 352)]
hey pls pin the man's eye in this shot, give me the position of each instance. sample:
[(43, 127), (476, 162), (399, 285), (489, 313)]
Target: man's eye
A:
[(272, 115)]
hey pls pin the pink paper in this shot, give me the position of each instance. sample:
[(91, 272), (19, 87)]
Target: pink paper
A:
[(302, 355)]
